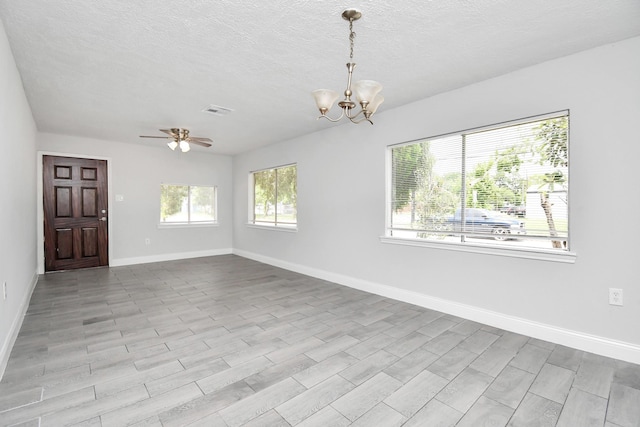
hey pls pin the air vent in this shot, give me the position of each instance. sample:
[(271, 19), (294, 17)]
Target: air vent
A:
[(217, 110)]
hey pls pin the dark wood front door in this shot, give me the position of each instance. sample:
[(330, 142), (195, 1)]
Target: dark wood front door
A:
[(75, 213)]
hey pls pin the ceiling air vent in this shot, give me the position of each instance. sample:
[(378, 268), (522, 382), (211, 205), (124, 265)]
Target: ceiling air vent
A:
[(217, 110)]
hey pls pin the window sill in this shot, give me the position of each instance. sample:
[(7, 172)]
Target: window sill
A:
[(187, 225), (285, 228), (528, 253)]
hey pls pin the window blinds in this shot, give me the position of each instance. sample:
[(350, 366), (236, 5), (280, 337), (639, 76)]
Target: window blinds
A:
[(507, 184)]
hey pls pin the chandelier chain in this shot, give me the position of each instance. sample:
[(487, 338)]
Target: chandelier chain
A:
[(352, 36)]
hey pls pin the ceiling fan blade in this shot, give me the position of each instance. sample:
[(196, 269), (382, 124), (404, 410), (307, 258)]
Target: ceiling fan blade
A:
[(169, 132), (202, 144), (199, 139), (178, 134)]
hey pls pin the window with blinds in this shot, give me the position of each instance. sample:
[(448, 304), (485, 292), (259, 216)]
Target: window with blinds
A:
[(275, 197), (505, 185)]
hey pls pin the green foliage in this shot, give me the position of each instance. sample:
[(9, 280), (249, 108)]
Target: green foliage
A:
[(287, 187), (432, 194), (553, 134), (489, 185), (481, 191), (264, 187), (409, 162), (511, 186), (497, 182), (434, 199), (508, 161), (273, 187), (415, 184), (453, 182), (172, 198), (553, 150), (203, 201)]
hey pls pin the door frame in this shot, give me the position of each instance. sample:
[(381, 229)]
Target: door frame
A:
[(40, 201)]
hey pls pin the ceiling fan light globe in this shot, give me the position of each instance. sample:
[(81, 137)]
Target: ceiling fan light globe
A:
[(172, 145), (184, 146)]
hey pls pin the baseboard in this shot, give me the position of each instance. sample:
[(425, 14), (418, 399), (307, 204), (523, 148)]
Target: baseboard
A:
[(594, 344), (168, 257), (5, 351)]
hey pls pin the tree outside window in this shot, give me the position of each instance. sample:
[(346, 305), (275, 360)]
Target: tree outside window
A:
[(275, 196), (187, 204)]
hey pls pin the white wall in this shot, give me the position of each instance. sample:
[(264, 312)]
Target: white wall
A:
[(17, 190), (136, 174), (341, 206)]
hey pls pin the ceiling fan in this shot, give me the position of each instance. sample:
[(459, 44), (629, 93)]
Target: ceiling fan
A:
[(180, 137)]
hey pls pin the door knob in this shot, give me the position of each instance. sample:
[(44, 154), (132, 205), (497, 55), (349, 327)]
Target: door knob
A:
[(104, 218)]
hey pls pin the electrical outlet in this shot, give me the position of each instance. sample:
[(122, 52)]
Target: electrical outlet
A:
[(147, 241), (615, 296), (4, 291)]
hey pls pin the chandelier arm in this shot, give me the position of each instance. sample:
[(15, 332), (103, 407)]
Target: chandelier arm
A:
[(330, 119), (351, 117), (366, 116), (361, 120)]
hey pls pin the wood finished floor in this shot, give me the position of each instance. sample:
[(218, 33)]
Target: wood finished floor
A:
[(226, 341)]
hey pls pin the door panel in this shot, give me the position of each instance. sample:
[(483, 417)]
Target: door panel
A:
[(63, 201), (89, 202), (63, 172), (64, 240), (89, 174), (89, 242), (75, 213)]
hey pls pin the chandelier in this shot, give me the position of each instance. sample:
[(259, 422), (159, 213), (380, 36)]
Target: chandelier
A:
[(365, 91)]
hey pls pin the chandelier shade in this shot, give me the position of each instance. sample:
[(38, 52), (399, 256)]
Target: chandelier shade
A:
[(373, 105), (325, 98), (365, 91)]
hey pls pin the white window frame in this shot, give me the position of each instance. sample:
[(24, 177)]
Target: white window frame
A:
[(190, 223), (251, 222), (555, 255)]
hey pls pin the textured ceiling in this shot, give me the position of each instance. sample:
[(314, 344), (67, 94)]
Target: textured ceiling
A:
[(116, 69)]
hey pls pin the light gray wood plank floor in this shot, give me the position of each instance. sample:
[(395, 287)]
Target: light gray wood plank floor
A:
[(227, 341)]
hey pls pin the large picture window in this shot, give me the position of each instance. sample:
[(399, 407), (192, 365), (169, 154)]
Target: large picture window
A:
[(187, 204), (504, 185), (275, 196)]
